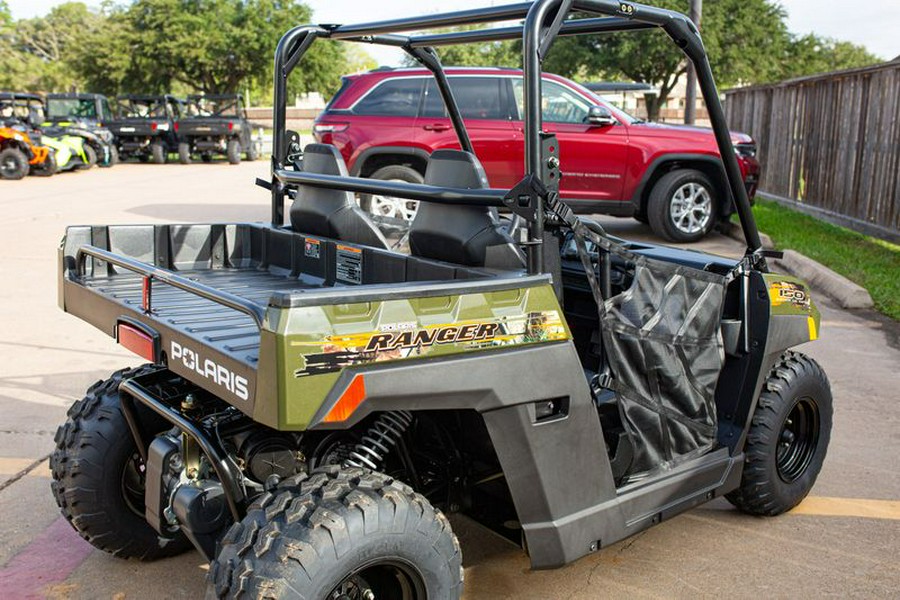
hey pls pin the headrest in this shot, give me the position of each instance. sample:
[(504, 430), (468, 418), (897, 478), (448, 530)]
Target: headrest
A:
[(324, 159), (455, 168)]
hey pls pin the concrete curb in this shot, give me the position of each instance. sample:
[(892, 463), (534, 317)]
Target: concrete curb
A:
[(837, 287)]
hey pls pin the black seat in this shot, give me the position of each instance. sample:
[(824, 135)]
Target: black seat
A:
[(466, 235), (331, 213)]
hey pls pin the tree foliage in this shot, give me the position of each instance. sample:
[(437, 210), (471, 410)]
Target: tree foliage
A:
[(151, 46), (747, 42)]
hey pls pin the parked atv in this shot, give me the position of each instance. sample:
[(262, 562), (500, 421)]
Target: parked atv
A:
[(314, 402), (216, 124), (21, 150), (83, 115), (21, 154), (27, 111), (144, 127)]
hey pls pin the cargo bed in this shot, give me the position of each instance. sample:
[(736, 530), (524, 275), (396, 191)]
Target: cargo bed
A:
[(213, 294)]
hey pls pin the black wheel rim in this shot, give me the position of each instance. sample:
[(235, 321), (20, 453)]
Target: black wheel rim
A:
[(385, 579), (133, 484), (9, 167), (798, 440)]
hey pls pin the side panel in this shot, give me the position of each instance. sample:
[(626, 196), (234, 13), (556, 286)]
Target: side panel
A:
[(317, 343)]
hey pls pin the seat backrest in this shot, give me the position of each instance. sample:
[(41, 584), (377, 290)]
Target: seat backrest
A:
[(467, 235), (331, 213)]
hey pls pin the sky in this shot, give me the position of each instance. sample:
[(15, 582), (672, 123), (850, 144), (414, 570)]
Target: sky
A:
[(874, 24)]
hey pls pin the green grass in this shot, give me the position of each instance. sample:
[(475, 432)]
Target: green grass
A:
[(870, 262)]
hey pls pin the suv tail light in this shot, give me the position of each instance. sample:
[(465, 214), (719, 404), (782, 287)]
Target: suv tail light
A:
[(330, 127)]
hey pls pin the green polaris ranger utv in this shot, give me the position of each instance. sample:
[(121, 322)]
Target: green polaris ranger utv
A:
[(314, 403)]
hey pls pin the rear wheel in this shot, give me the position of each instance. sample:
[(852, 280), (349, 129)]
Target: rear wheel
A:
[(233, 151), (252, 151), (682, 206), (339, 533), (98, 477), (13, 164), (48, 168), (392, 214), (788, 437), (184, 153), (112, 159), (158, 153)]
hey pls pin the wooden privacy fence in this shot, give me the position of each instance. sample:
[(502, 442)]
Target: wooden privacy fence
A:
[(829, 141)]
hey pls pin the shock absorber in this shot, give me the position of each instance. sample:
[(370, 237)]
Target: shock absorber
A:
[(375, 445)]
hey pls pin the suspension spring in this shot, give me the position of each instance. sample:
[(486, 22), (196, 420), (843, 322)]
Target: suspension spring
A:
[(376, 443)]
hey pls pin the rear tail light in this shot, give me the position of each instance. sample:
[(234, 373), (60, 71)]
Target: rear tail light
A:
[(154, 126), (139, 342), (176, 126), (231, 127), (320, 128)]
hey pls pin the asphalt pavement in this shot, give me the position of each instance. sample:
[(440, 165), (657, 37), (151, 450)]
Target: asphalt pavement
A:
[(842, 542)]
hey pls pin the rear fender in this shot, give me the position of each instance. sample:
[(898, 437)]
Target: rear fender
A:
[(556, 467)]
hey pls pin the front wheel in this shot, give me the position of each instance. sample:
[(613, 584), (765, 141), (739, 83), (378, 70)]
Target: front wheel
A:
[(788, 437), (184, 153), (339, 533), (682, 206), (233, 151), (98, 477), (90, 157), (13, 164)]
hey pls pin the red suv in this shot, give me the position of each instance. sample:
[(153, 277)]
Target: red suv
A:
[(388, 121)]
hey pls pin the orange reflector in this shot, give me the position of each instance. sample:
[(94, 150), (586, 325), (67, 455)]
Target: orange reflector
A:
[(137, 341), (348, 402)]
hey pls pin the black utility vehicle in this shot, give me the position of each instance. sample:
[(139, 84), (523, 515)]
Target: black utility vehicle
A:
[(84, 115), (144, 126), (313, 401), (216, 124)]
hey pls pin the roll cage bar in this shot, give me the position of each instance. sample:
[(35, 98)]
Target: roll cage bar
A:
[(544, 21)]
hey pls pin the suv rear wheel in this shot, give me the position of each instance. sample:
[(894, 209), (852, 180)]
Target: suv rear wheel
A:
[(392, 214), (682, 206)]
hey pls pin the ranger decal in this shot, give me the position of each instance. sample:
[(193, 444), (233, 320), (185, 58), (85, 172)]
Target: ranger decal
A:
[(407, 340)]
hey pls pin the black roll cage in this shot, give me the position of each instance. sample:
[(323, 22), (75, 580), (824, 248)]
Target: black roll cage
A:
[(544, 20)]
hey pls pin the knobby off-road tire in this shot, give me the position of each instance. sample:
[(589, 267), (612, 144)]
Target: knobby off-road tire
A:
[(184, 153), (680, 190), (158, 153), (252, 151), (233, 151), (788, 437), (97, 477), (306, 539), (112, 160), (90, 157), (13, 164)]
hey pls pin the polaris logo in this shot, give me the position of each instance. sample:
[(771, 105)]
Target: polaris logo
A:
[(208, 369)]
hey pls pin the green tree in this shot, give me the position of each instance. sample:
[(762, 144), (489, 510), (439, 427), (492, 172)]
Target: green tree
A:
[(222, 45), (36, 53), (810, 54), (741, 38)]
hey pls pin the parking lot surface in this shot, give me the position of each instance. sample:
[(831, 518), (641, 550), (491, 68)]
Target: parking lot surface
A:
[(843, 541)]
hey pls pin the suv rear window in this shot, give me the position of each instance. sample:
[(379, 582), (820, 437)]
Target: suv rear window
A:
[(477, 97), (392, 98)]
